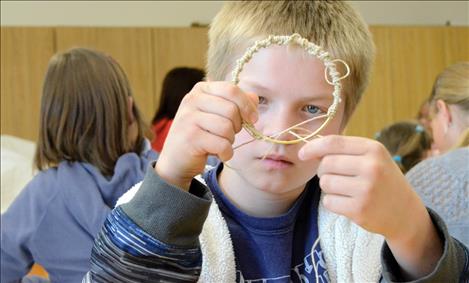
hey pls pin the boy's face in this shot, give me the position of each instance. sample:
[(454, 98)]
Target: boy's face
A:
[(291, 87)]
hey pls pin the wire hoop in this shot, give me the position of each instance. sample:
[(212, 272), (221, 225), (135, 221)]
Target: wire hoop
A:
[(329, 71)]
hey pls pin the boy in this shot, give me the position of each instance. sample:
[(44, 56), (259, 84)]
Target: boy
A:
[(266, 213)]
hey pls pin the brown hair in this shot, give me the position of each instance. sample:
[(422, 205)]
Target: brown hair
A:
[(84, 112), (408, 143), (333, 25), (176, 84)]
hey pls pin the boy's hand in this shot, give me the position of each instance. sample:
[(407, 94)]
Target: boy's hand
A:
[(206, 123), (363, 183)]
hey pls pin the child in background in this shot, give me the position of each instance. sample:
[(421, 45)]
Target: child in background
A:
[(90, 150), (257, 216), (443, 181), (176, 84), (407, 142)]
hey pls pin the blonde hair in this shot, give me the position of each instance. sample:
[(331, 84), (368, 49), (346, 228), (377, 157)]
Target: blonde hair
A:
[(452, 86), (335, 26), (463, 140), (408, 142)]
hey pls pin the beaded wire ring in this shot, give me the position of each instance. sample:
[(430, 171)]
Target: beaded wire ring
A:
[(330, 70)]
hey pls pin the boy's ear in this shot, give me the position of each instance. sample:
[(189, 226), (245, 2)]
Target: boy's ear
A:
[(130, 107)]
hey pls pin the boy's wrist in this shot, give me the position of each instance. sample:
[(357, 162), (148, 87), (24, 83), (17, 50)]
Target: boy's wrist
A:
[(409, 222), (418, 247), (170, 177)]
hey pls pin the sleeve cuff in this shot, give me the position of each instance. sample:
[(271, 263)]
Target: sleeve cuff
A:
[(170, 214), (449, 266)]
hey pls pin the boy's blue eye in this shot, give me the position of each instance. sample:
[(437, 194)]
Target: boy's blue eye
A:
[(311, 109)]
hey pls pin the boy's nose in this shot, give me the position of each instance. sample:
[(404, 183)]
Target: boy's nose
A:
[(276, 124)]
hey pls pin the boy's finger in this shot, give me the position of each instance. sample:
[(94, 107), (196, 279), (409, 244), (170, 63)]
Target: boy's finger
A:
[(333, 144), (340, 185), (230, 92), (254, 98), (216, 125), (208, 143), (346, 165), (222, 107), (339, 204)]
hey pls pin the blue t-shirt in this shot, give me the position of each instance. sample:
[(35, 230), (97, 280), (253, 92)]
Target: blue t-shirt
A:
[(276, 249)]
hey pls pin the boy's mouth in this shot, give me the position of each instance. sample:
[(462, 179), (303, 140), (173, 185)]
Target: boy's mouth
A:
[(273, 161)]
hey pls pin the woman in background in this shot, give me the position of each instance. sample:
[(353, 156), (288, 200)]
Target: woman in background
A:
[(90, 150), (407, 142), (443, 181), (176, 84)]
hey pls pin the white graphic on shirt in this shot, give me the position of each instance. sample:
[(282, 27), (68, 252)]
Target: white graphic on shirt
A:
[(299, 273)]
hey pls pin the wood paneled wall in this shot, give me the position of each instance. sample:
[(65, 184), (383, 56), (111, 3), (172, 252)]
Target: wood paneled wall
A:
[(175, 47), (408, 59), (146, 55), (24, 56)]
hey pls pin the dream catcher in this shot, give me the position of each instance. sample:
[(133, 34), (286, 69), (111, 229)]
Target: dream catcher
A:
[(331, 76)]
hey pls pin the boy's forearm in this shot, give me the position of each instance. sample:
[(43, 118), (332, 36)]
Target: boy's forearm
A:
[(451, 266), (418, 251)]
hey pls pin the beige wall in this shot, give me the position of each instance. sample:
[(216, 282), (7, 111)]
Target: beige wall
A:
[(107, 13), (183, 13), (414, 12)]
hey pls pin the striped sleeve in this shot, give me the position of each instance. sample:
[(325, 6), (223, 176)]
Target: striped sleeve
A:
[(154, 237), (123, 252)]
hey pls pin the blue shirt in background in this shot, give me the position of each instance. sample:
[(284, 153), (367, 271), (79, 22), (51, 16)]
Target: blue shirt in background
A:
[(55, 218)]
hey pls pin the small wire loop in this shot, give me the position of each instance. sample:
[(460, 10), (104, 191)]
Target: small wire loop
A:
[(347, 73)]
